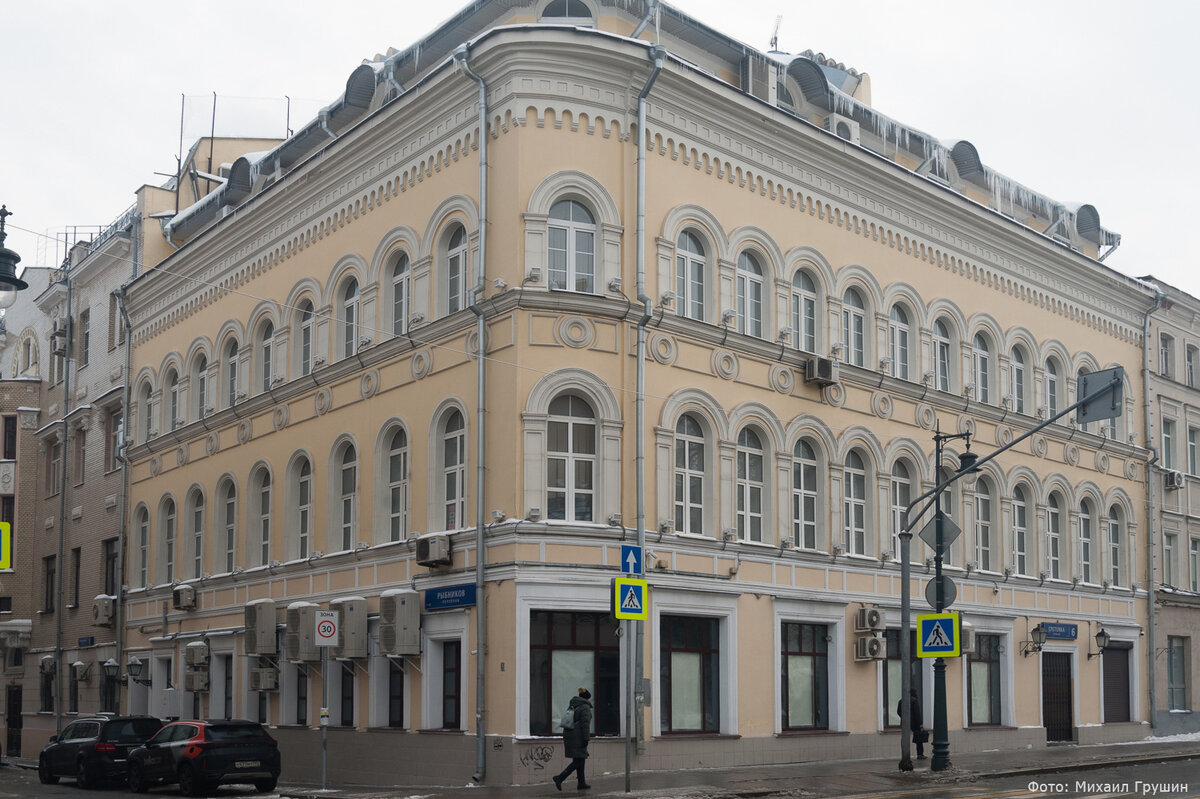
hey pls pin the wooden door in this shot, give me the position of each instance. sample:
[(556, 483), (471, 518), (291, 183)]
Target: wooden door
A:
[(1057, 716)]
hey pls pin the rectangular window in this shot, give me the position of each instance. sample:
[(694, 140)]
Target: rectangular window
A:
[(451, 677), (76, 556), (73, 693), (1168, 443), (112, 574), (54, 468), (46, 693), (113, 324), (567, 650), (983, 678), (10, 438), (1168, 570), (49, 571), (1166, 355), (228, 699), (85, 336), (805, 677), (395, 694), (79, 455), (108, 694), (1190, 367), (8, 509), (892, 682), (346, 693), (1177, 673), (5, 604), (113, 427), (301, 696), (1194, 563), (1193, 436), (690, 676)]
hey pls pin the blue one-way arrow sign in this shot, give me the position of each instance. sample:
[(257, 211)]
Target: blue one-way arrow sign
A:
[(631, 559)]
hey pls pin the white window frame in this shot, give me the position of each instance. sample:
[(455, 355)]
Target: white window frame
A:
[(571, 461), (1018, 376), (805, 479), (227, 552), (351, 307), (398, 474), (750, 523), (1020, 530), (307, 337), (982, 360), (453, 480), (266, 348), (854, 328), (900, 492), (401, 294), (262, 486), (898, 338), (579, 236), (1087, 540), (682, 474), (749, 295), (854, 503), (346, 491), (1054, 514), (943, 363), (456, 269), (985, 542), (1115, 544), (804, 311), (195, 508), (691, 267)]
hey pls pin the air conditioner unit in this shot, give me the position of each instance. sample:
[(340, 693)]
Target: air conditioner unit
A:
[(103, 610), (184, 597), (352, 628), (1174, 480), (298, 642), (79, 671), (196, 681), (399, 622), (264, 680), (260, 627), (966, 639), (870, 620), (48, 665), (842, 127), (868, 647), (822, 371), (434, 550), (195, 654)]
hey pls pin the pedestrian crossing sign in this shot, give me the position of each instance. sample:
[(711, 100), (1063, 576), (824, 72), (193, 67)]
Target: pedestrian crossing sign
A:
[(5, 545), (937, 635), (630, 598)]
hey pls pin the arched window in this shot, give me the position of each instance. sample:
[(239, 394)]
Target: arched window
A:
[(229, 366), (1053, 389), (226, 554), (266, 349), (689, 476), (401, 291), (456, 270), (804, 496), (941, 356), (749, 295), (168, 539), (1020, 531), (146, 409), (898, 343), (347, 498), (173, 417), (751, 476), (571, 247), (901, 495), (1017, 379), (854, 479), (350, 318), (570, 459), (195, 531), (950, 502), (454, 470), (564, 10), (1115, 561), (690, 266), (804, 312), (261, 501), (199, 385), (141, 523), (1086, 542), (984, 541), (854, 328), (398, 486), (1054, 537), (304, 338), (299, 501), (983, 369)]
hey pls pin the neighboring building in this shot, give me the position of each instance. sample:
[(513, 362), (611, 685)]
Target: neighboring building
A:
[(1173, 357), (824, 287)]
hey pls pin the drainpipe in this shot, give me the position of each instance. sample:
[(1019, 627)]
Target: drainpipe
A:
[(120, 603), (1146, 354), (324, 117), (650, 9), (59, 609), (460, 57), (658, 53)]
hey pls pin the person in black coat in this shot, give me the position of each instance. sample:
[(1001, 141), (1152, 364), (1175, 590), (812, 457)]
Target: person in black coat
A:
[(915, 722), (575, 740)]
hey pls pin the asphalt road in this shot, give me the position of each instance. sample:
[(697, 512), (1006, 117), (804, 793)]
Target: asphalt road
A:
[(24, 782)]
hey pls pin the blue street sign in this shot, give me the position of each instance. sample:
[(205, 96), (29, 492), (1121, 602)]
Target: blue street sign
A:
[(631, 559), (630, 597), (937, 635), (451, 596), (1066, 632)]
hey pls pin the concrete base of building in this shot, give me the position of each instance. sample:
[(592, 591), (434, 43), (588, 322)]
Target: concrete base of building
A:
[(1112, 733), (1174, 722)]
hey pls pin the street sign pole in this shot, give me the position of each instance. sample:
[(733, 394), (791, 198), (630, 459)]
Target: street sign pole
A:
[(324, 713), (941, 735)]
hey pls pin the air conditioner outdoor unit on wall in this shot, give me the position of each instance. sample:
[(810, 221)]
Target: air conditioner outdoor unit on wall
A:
[(434, 550), (843, 127), (299, 642), (399, 622), (196, 681), (103, 610), (352, 628), (184, 597), (1175, 480), (196, 654), (870, 620), (868, 647), (966, 642), (260, 627), (822, 371), (264, 680)]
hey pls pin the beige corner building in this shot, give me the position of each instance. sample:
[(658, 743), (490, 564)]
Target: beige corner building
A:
[(800, 293)]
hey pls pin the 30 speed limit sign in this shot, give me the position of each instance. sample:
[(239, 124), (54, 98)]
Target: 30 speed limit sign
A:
[(327, 628)]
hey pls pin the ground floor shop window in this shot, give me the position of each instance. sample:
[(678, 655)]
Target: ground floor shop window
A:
[(805, 676), (689, 674), (983, 676), (892, 676), (301, 696), (395, 694), (567, 651), (347, 693), (451, 685), (1176, 673)]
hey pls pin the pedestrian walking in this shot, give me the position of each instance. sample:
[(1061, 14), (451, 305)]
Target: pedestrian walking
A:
[(577, 729), (915, 723)]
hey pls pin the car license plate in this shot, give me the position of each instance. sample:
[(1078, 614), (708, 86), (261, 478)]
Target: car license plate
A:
[(248, 763)]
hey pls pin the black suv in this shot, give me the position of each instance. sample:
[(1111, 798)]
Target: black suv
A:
[(93, 749), (200, 755)]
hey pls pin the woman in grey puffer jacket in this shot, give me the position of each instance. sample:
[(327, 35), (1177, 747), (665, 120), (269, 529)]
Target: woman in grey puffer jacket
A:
[(575, 740)]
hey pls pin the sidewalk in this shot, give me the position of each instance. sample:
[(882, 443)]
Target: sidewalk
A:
[(844, 778)]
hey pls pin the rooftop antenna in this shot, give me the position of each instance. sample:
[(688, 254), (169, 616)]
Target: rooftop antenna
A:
[(775, 34)]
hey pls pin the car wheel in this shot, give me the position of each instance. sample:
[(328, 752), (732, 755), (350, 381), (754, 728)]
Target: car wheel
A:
[(265, 786), (137, 778), (44, 775), (83, 775), (189, 785)]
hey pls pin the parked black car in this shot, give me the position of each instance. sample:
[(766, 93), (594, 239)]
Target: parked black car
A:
[(94, 749), (200, 755)]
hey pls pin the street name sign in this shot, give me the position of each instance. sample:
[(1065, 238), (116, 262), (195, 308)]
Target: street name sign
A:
[(631, 559), (327, 628), (630, 598), (938, 635)]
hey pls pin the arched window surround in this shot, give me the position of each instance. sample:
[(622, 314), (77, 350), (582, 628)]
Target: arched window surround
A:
[(299, 507), (570, 184), (343, 495), (259, 516), (440, 507), (393, 475)]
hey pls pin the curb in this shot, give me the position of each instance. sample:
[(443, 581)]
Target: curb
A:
[(1091, 765)]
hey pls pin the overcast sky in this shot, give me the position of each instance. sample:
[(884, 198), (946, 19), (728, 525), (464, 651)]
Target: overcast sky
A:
[(1081, 100)]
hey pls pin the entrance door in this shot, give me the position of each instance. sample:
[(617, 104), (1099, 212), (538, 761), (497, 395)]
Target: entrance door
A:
[(1116, 684), (1056, 696), (13, 720)]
